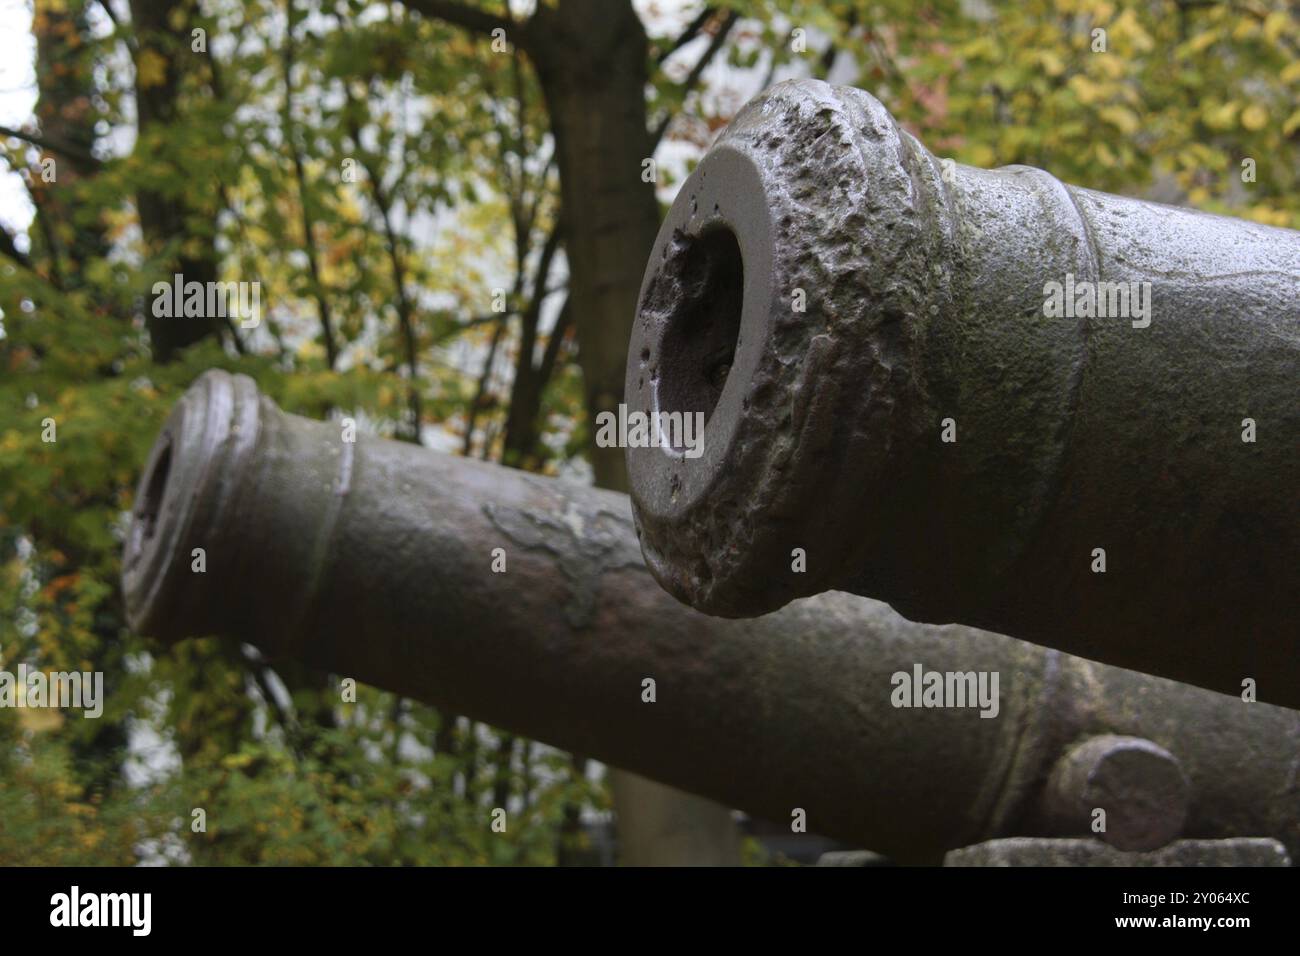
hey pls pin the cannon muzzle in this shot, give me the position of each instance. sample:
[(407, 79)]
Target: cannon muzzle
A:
[(982, 396), (523, 601)]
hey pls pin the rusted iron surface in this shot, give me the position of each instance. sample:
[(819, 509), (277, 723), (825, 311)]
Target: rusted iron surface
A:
[(374, 560), (870, 333)]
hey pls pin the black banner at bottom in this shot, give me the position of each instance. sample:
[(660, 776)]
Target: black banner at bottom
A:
[(335, 905)]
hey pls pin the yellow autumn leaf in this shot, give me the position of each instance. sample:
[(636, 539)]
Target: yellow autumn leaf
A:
[(1202, 40), (150, 69), (1290, 73), (38, 719), (1275, 24), (1220, 115), (1086, 90), (1122, 118), (1292, 123), (1254, 117)]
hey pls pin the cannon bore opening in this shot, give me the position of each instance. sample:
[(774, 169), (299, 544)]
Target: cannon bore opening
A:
[(702, 333), (149, 507)]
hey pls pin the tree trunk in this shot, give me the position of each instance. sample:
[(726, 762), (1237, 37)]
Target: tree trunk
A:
[(66, 112), (590, 57), (162, 214)]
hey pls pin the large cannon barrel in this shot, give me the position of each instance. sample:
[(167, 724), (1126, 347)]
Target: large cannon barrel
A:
[(375, 559), (983, 396)]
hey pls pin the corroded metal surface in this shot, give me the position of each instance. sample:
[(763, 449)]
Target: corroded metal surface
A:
[(1139, 784), (1021, 851), (373, 560), (839, 302)]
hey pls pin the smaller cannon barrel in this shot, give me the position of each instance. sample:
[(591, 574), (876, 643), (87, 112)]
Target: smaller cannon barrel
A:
[(374, 559), (982, 396)]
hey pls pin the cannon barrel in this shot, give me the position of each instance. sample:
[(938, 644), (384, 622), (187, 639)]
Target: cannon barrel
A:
[(982, 396), (373, 559)]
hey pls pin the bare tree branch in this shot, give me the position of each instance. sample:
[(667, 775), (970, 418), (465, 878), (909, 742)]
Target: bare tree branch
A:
[(9, 248), (53, 247), (831, 54), (693, 78), (480, 393), (690, 33), (233, 331), (107, 7), (563, 322), (404, 305), (469, 17), (307, 221), (459, 328), (71, 152)]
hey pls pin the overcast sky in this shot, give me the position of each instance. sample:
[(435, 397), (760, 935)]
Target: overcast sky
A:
[(17, 97), (18, 86)]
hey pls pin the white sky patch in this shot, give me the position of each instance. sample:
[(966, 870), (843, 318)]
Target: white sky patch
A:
[(17, 99)]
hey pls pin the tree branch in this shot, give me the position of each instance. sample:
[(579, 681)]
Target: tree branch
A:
[(9, 248), (107, 7), (693, 78), (304, 199), (832, 51), (53, 247), (558, 334), (690, 33), (469, 17), (473, 322), (404, 305), (71, 152), (476, 405)]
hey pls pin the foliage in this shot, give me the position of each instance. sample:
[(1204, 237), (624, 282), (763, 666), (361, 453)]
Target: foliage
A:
[(456, 187)]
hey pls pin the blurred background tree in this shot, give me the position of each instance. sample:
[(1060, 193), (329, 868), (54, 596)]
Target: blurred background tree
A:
[(448, 207)]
